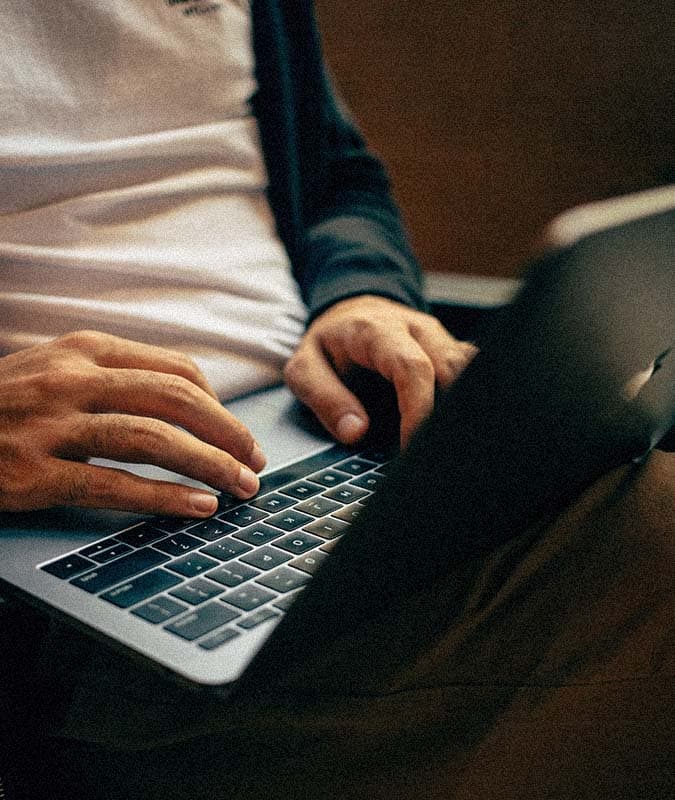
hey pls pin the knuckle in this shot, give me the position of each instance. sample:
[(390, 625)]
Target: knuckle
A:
[(181, 391), (243, 435), (60, 380), (417, 364), (96, 436), (295, 369), (112, 491), (425, 324), (366, 327), (46, 384), (436, 325), (85, 340), (239, 435), (187, 364), (146, 434), (77, 488), (88, 487), (228, 470)]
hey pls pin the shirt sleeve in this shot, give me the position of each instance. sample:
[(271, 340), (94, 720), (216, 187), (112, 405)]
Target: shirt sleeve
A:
[(355, 239), (330, 195)]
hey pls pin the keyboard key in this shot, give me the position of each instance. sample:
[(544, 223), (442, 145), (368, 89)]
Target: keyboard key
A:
[(289, 520), (265, 557), (138, 589), (379, 456), (248, 597), (159, 609), (385, 469), (284, 579), (286, 600), (243, 516), (172, 524), (115, 551), (226, 549), (192, 565), (212, 529), (201, 621), (273, 502), (197, 591), (117, 571), (327, 528), (232, 575), (298, 471), (318, 506), (257, 618), (301, 490), (349, 513), (69, 566), (328, 547), (141, 535), (258, 534), (99, 547), (346, 493), (310, 562), (226, 502), (369, 481), (219, 637), (298, 542), (178, 544), (355, 466), (328, 478)]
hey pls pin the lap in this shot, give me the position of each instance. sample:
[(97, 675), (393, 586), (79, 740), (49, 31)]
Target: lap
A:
[(543, 669)]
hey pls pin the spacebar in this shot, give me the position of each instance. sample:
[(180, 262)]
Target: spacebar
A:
[(98, 579)]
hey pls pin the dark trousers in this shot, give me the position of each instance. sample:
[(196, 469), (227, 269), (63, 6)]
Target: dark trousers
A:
[(540, 668)]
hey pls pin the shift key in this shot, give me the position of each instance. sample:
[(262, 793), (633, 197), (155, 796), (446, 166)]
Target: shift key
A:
[(133, 591), (201, 621), (108, 575)]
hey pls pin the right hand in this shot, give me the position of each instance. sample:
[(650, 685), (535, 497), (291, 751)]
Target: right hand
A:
[(89, 394)]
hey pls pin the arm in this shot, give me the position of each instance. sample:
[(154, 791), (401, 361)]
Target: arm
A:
[(355, 240), (349, 250)]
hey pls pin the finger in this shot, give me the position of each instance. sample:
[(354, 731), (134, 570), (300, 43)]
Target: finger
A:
[(92, 486), (175, 399), (449, 355), (141, 440), (115, 352), (396, 356), (311, 378)]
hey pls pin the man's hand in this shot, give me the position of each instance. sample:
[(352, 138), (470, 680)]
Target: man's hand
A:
[(89, 394), (410, 349)]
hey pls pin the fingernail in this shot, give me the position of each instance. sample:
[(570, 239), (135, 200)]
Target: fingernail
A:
[(350, 427), (257, 458), (248, 481), (203, 503)]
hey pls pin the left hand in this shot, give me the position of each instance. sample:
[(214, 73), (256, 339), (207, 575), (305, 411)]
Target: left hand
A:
[(410, 349)]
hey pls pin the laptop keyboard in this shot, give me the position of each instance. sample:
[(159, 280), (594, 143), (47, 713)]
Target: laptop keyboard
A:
[(209, 581)]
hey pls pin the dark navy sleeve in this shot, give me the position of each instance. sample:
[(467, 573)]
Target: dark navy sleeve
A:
[(330, 195), (355, 242)]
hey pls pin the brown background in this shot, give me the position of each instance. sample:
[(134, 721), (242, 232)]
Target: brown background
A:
[(494, 116)]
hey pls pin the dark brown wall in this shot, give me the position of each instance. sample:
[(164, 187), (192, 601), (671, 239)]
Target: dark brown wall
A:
[(494, 116)]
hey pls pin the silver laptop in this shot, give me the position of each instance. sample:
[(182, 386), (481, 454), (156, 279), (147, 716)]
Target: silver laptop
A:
[(585, 348)]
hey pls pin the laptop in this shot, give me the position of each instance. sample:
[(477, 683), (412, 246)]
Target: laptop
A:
[(575, 376)]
